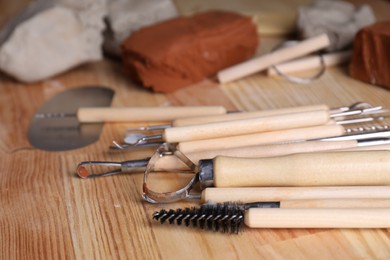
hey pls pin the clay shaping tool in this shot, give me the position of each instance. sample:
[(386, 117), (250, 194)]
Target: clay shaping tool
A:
[(238, 127), (229, 217), (92, 169), (242, 127), (263, 62), (250, 195), (321, 132), (215, 127), (357, 108), (305, 169), (66, 133), (134, 114), (310, 62)]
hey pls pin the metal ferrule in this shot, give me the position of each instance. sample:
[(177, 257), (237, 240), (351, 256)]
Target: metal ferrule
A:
[(206, 176), (135, 165)]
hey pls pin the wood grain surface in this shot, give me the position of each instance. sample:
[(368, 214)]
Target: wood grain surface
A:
[(49, 213)]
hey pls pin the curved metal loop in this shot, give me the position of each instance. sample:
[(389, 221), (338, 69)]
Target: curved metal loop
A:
[(166, 197), (299, 80)]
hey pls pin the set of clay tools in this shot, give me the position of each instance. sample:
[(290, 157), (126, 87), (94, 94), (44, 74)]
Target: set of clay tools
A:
[(299, 167)]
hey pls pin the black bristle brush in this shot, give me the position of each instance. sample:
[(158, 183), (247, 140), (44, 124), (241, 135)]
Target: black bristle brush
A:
[(226, 217), (230, 217)]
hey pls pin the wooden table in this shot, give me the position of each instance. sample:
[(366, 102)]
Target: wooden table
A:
[(47, 212)]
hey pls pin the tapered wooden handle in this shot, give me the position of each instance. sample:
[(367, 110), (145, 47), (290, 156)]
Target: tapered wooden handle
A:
[(318, 218), (174, 163), (245, 126), (245, 115), (261, 138), (143, 114), (260, 63), (314, 169), (248, 195)]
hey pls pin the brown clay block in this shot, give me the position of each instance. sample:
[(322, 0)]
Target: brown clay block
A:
[(371, 55), (185, 50)]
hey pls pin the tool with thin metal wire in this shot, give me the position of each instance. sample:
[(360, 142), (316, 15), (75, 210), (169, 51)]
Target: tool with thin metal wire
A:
[(230, 217), (358, 168)]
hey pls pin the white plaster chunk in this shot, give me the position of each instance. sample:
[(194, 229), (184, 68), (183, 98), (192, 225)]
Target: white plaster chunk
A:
[(339, 19), (54, 40), (126, 16)]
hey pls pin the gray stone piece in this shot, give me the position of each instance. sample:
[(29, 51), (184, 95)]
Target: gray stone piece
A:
[(339, 19), (126, 16), (54, 39)]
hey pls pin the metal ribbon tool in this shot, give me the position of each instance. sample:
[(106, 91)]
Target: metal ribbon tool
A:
[(314, 169)]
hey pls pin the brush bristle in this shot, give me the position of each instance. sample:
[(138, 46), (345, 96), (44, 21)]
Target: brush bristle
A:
[(227, 217)]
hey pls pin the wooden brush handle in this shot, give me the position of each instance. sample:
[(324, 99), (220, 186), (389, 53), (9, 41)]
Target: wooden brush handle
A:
[(260, 63), (313, 169), (248, 195), (318, 218), (245, 126), (261, 138), (245, 115), (336, 203), (143, 114)]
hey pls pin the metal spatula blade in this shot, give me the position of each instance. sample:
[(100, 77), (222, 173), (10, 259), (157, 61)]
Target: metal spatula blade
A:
[(66, 133)]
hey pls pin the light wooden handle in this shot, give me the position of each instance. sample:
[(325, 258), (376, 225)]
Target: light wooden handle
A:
[(245, 115), (245, 126), (248, 195), (143, 114), (173, 163), (273, 149), (313, 169), (369, 148), (336, 203), (260, 63), (318, 218), (261, 138), (311, 62)]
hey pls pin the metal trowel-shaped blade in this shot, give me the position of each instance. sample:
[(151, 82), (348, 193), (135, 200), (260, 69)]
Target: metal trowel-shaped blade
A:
[(66, 133)]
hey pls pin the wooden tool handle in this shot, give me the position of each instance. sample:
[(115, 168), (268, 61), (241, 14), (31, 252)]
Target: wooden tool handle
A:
[(336, 203), (174, 163), (273, 149), (311, 62), (245, 115), (245, 126), (369, 148), (248, 195), (143, 114), (314, 169), (318, 218), (260, 63), (261, 138)]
